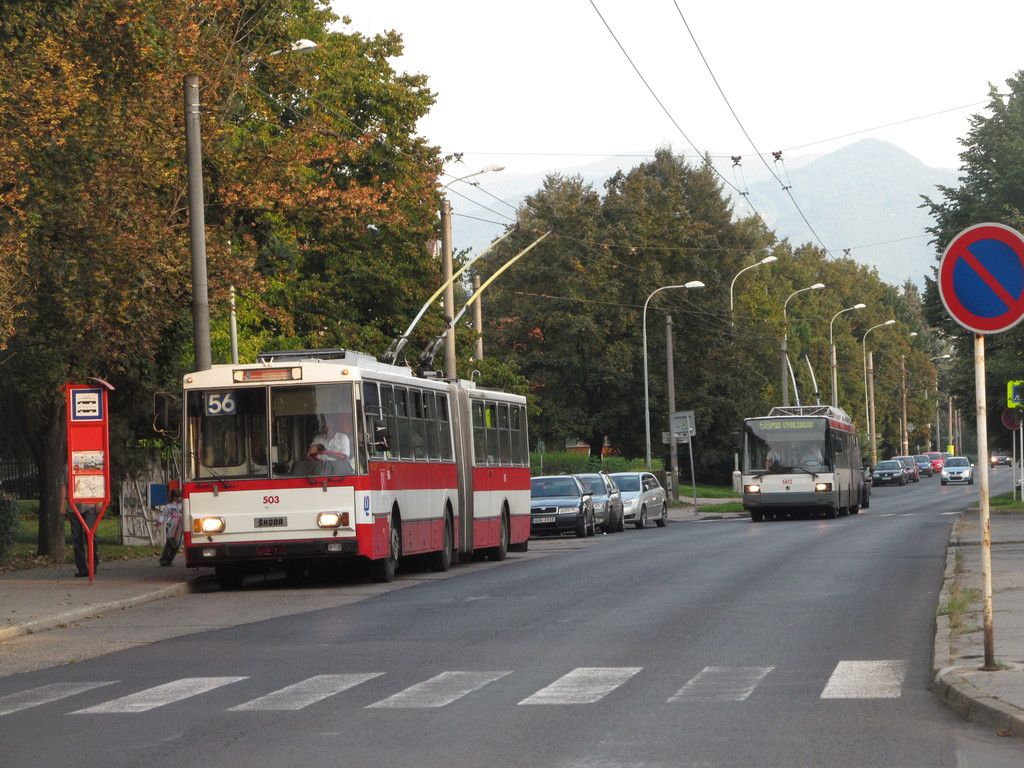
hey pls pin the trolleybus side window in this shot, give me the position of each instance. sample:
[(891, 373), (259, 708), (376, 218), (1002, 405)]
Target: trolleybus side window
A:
[(430, 421), (479, 434), (404, 427), (445, 433), (491, 430), (504, 434), (387, 400), (227, 433), (517, 435), (373, 412), (419, 426)]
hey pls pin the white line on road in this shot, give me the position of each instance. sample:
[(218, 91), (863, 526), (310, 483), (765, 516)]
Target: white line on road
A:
[(439, 691), (584, 685), (866, 680), (889, 514), (160, 696), (302, 694), (721, 684), (44, 695)]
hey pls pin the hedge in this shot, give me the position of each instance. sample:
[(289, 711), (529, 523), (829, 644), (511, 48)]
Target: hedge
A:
[(564, 463), (9, 514)]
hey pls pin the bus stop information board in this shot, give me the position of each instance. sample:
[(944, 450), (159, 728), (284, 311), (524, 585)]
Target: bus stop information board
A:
[(88, 458)]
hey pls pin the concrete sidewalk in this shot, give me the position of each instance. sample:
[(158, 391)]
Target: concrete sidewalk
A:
[(42, 598), (995, 698)]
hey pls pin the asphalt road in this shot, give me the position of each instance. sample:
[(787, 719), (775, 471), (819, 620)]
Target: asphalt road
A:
[(725, 643)]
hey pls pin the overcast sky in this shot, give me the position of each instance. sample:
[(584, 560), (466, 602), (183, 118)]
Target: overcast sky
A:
[(545, 76)]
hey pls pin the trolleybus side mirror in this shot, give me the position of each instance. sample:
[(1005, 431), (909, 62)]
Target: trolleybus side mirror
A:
[(165, 413)]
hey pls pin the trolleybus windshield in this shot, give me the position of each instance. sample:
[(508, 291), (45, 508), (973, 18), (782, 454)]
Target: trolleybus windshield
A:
[(777, 445), (311, 432)]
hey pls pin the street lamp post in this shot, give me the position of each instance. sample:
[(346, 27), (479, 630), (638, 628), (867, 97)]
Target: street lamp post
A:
[(446, 271), (647, 398), (785, 338), (832, 352), (765, 260), (938, 417), (864, 352)]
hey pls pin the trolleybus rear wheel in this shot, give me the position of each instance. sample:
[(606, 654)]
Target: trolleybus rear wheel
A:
[(383, 570), (442, 561), (501, 551)]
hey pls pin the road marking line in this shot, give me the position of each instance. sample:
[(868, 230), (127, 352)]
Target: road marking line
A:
[(889, 514), (439, 691), (866, 680), (160, 696), (947, 514), (302, 694), (45, 694), (721, 684), (584, 685)]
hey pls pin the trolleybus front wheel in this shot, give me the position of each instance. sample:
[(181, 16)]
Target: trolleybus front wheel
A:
[(756, 516), (229, 576), (383, 570)]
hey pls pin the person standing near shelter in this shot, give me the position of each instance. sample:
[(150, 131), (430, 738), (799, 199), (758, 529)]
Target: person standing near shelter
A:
[(80, 542), (170, 516)]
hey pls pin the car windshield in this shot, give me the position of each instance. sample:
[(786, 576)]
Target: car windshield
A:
[(922, 460), (887, 465), (593, 484), (627, 482), (547, 487), (934, 456), (957, 462)]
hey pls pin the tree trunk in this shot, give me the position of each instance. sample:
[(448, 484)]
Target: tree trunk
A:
[(43, 427), (596, 444)]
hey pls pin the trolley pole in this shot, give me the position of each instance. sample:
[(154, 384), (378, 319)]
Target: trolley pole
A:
[(782, 368), (673, 446), (197, 226), (449, 291)]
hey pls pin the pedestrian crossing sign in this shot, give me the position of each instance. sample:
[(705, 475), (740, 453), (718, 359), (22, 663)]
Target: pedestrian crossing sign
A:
[(1015, 394)]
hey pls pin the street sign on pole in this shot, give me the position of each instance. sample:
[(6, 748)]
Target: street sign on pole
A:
[(981, 284), (1015, 394), (682, 423)]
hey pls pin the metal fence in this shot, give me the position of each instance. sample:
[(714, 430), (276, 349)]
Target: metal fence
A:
[(18, 476)]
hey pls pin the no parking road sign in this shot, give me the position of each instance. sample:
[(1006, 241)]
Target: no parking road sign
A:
[(981, 278)]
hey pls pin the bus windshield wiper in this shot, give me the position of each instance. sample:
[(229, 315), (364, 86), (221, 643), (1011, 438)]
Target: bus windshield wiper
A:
[(208, 468), (804, 470)]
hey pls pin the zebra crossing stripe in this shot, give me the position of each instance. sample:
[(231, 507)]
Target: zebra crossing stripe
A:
[(721, 684), (584, 685), (302, 694), (439, 691), (160, 696), (45, 694), (866, 680)]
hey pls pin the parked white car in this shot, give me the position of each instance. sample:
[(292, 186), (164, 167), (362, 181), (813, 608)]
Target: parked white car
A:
[(643, 498)]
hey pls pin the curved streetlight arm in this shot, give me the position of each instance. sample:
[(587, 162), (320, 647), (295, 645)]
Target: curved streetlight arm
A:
[(647, 398), (766, 260)]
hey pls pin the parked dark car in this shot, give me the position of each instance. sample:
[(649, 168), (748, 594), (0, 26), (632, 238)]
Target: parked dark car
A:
[(910, 468), (560, 503), (999, 459), (607, 499), (924, 465), (889, 472)]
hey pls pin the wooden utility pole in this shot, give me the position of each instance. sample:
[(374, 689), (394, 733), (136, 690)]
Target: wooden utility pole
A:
[(871, 401), (903, 390), (673, 446)]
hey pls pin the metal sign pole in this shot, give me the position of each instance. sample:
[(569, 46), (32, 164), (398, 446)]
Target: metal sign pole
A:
[(983, 507)]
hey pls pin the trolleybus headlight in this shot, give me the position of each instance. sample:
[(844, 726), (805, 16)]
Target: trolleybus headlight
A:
[(752, 488), (208, 525), (822, 487), (328, 519)]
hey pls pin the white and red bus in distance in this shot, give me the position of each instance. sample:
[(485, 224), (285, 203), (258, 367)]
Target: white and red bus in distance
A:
[(316, 455)]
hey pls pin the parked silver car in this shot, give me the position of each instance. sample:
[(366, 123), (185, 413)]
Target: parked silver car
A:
[(643, 498), (608, 512), (957, 469)]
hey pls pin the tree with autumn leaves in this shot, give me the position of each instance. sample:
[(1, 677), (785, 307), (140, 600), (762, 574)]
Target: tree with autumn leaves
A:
[(321, 198)]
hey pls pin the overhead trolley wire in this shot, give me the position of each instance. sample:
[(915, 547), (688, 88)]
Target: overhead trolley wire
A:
[(786, 188)]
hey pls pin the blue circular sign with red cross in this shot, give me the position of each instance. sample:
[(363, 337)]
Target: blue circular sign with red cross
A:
[(981, 278)]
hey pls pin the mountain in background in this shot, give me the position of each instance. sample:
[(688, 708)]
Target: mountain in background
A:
[(865, 197)]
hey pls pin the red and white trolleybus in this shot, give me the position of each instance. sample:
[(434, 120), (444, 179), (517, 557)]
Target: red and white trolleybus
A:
[(328, 454)]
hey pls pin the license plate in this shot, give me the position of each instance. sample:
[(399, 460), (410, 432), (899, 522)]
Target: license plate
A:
[(270, 522), (543, 519)]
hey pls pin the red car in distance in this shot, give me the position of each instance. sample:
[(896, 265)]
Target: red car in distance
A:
[(936, 459)]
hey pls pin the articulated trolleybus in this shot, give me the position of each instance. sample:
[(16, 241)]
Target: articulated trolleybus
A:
[(803, 459), (311, 456)]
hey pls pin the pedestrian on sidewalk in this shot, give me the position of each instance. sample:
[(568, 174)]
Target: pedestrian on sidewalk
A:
[(79, 541), (170, 516)]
